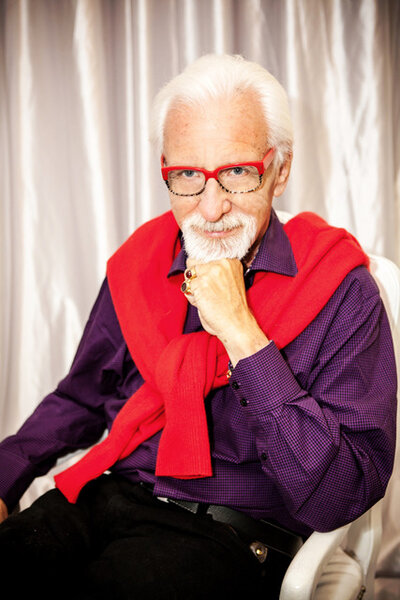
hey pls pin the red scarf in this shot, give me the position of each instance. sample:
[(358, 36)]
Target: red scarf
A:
[(180, 370)]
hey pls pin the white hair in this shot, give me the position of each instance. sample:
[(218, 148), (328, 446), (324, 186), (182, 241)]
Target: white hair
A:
[(213, 76)]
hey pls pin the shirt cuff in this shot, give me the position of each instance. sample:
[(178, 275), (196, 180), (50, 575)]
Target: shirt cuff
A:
[(16, 475), (263, 381)]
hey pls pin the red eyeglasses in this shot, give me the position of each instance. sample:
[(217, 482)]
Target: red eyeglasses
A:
[(238, 178)]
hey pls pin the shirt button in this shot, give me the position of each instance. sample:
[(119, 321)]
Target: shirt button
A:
[(243, 401), (263, 456), (235, 385)]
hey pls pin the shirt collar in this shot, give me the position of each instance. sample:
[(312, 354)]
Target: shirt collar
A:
[(274, 254)]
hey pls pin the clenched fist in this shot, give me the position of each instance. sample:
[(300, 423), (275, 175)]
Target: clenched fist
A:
[(219, 293)]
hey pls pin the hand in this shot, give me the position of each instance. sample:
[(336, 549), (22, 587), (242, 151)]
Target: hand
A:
[(3, 511), (219, 293)]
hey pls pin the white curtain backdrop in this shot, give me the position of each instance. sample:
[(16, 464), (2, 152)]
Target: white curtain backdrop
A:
[(77, 173)]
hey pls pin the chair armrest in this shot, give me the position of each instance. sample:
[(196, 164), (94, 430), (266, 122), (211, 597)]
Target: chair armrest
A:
[(305, 569)]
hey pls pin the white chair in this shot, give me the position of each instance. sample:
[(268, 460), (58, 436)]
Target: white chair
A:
[(341, 564)]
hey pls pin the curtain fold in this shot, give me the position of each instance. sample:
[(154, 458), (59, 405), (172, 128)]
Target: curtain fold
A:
[(78, 173)]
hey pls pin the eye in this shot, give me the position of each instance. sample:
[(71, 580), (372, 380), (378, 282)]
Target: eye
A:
[(188, 173), (183, 174), (237, 171)]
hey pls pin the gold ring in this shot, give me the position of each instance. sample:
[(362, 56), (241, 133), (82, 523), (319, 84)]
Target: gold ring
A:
[(185, 287), (190, 273)]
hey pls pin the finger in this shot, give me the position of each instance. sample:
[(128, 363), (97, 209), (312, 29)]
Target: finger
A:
[(190, 295), (190, 263), (185, 287), (190, 273), (191, 299)]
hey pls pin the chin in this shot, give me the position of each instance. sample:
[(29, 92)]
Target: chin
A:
[(205, 249), (241, 229)]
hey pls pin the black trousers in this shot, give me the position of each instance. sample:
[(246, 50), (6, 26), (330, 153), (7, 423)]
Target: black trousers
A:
[(118, 542)]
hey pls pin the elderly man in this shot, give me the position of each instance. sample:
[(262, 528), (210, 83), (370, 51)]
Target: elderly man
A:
[(244, 368)]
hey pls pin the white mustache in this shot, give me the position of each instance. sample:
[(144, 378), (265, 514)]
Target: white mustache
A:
[(225, 223)]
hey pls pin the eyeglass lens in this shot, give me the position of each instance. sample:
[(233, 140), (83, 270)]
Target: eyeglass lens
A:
[(235, 179)]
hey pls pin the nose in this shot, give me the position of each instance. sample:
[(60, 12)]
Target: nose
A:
[(213, 201)]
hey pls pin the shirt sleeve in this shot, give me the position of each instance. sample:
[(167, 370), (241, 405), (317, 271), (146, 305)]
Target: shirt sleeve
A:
[(73, 415), (323, 410)]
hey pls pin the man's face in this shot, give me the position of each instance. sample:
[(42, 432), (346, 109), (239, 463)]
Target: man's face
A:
[(217, 224)]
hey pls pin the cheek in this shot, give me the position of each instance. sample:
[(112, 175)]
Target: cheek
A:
[(180, 207), (257, 206)]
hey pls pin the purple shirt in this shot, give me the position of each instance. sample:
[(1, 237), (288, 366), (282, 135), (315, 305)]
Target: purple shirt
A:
[(304, 436)]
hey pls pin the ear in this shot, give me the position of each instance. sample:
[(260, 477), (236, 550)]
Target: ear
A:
[(282, 176)]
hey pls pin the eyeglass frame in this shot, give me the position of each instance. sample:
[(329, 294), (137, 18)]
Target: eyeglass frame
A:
[(261, 168)]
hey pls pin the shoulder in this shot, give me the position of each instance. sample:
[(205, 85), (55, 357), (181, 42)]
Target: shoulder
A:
[(144, 245), (360, 282), (356, 300), (355, 309), (103, 322)]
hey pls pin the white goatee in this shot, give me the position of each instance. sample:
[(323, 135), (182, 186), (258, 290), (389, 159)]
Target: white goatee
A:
[(204, 249)]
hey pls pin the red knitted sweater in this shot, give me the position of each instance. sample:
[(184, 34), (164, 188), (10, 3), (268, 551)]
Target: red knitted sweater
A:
[(179, 369)]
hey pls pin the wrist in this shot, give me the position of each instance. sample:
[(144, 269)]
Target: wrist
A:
[(244, 339)]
